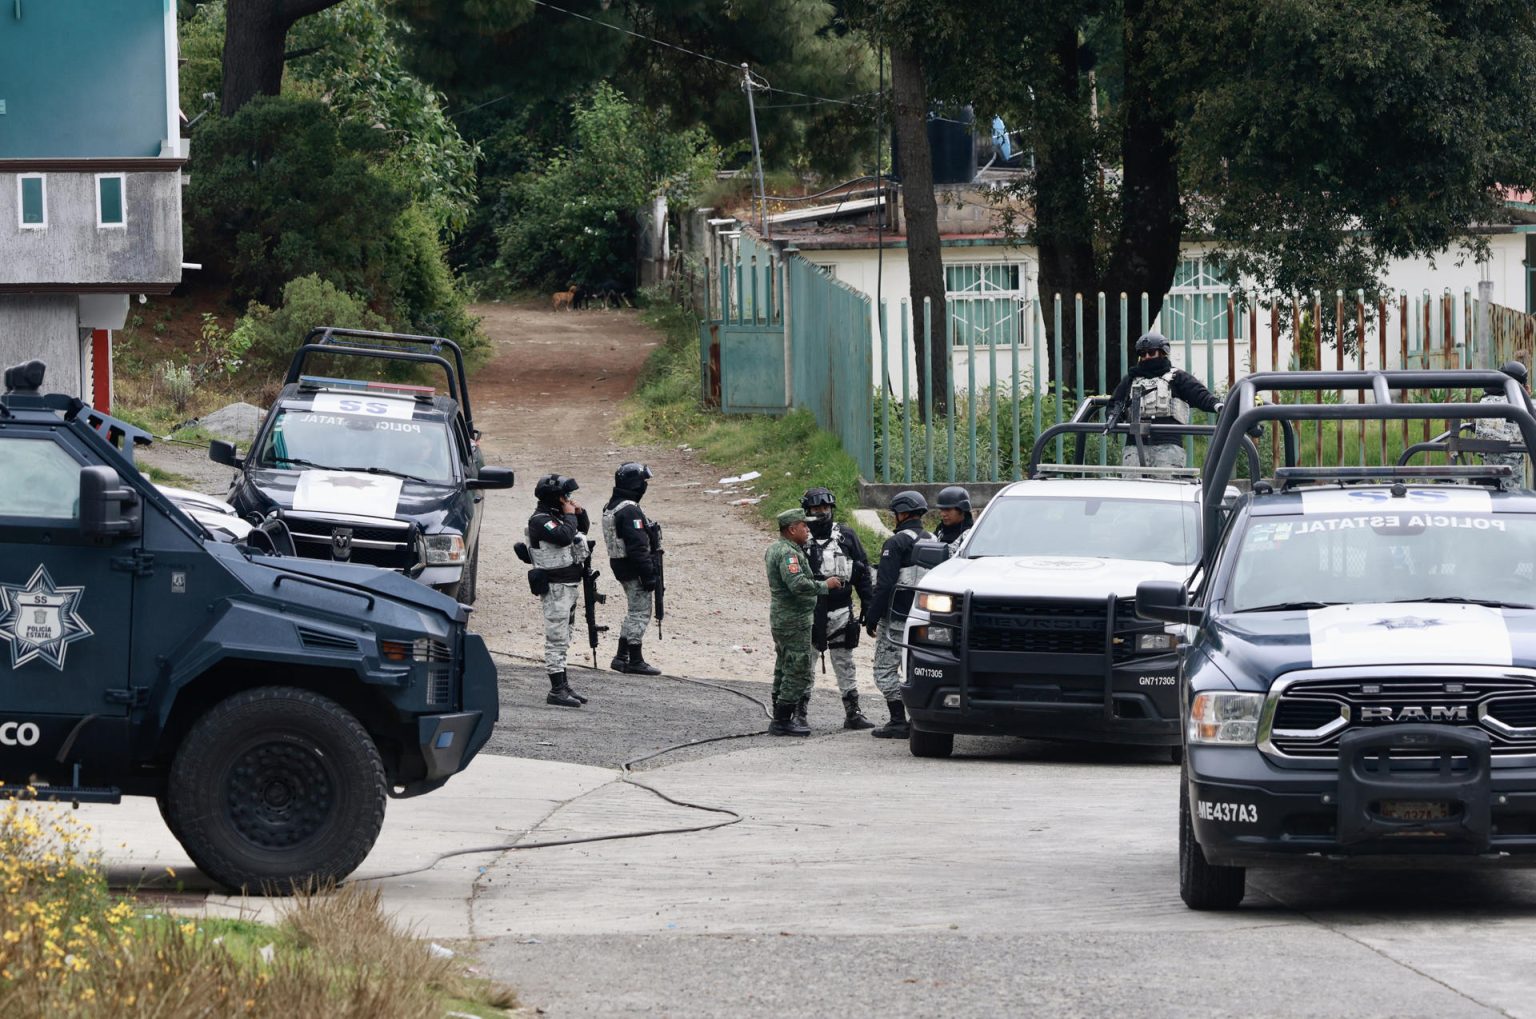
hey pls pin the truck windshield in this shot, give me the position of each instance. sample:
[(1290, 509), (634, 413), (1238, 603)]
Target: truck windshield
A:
[(1402, 556), (1139, 529), (302, 438)]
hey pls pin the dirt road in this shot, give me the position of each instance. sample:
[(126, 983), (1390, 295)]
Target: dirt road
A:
[(550, 400)]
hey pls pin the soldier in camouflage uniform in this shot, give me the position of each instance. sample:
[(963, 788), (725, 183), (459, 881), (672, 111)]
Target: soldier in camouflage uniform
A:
[(896, 569), (632, 541), (793, 592), (1503, 430), (1165, 394), (557, 546)]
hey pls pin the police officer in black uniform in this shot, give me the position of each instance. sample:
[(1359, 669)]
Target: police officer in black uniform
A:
[(955, 520), (1165, 394), (557, 546), (896, 569), (632, 539), (835, 551)]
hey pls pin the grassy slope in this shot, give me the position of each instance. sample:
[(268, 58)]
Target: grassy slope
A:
[(791, 452)]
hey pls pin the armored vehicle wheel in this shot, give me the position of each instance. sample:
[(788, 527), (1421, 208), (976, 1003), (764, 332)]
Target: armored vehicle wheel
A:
[(1203, 885), (276, 787), (1176, 754), (163, 801), (930, 744)]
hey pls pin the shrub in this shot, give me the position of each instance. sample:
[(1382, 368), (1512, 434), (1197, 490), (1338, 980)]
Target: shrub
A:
[(178, 383), (283, 189), (269, 336)]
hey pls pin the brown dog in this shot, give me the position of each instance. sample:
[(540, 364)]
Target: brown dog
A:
[(563, 299)]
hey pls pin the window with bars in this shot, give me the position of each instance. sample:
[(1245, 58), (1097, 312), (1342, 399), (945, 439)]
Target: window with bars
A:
[(984, 300), (1196, 308)]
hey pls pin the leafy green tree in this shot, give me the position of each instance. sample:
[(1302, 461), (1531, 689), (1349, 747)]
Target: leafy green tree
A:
[(1311, 141), (573, 218)]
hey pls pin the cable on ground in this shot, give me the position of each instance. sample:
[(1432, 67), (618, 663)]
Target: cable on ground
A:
[(626, 776)]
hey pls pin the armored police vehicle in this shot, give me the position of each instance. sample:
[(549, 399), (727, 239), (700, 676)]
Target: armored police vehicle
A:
[(372, 472), (269, 703), (1361, 682), (1031, 630)]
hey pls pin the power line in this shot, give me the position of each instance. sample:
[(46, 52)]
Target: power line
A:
[(734, 67)]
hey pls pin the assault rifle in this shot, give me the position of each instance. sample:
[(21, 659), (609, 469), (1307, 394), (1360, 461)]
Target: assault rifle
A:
[(591, 599), (654, 532)]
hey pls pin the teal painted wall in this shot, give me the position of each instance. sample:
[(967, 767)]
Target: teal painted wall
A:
[(82, 78)]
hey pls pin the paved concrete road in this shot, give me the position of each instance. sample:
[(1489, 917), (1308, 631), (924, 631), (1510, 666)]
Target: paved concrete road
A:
[(1016, 879)]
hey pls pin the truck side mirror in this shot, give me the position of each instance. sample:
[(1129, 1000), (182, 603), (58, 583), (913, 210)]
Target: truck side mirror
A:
[(108, 508), (492, 477), (929, 554), (1166, 602), (221, 452)]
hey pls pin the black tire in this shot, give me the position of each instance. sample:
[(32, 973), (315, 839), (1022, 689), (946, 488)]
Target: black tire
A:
[(1176, 754), (466, 592), (930, 744), (276, 788), (1202, 885), (163, 801)]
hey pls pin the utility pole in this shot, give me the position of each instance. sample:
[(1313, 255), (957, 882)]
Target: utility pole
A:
[(757, 151)]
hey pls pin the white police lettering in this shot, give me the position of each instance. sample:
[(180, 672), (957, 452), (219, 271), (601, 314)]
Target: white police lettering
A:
[(1392, 520), (396, 426), (40, 620), (339, 403), (19, 734), (1232, 813), (1157, 680)]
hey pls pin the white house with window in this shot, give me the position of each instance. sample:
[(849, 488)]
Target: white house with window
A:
[(90, 179), (992, 291)]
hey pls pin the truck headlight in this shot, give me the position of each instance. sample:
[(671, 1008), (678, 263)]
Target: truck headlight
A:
[(1225, 717), (936, 602), (1156, 641), (445, 549), (941, 635)]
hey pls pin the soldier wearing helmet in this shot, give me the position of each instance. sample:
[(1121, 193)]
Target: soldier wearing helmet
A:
[(1164, 394), (1502, 429), (955, 520), (632, 539), (835, 551), (557, 547), (896, 569)]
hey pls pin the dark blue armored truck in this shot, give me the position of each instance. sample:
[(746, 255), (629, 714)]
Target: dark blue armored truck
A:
[(268, 702), (1360, 686), (372, 472)]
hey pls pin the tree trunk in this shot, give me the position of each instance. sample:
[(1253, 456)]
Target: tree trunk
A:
[(1065, 226), (909, 95), (255, 35)]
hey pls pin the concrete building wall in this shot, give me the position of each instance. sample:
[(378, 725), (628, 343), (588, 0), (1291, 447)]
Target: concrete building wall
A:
[(73, 249), (44, 328)]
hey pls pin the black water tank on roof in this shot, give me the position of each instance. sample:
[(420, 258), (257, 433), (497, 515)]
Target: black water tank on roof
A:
[(951, 143)]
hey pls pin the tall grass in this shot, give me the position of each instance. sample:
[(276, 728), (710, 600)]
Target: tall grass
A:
[(69, 947)]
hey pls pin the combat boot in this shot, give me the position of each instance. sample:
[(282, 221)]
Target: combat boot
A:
[(784, 722), (560, 692), (620, 661), (638, 666), (854, 717), (800, 706), (897, 727)]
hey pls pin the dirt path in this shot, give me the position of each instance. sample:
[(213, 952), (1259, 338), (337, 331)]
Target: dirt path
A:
[(550, 400)]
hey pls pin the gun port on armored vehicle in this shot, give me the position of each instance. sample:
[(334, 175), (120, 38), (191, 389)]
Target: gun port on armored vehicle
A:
[(269, 703)]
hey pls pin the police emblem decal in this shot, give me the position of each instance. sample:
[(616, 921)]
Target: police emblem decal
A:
[(41, 620)]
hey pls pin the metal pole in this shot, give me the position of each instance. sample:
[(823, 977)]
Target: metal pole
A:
[(757, 151), (970, 401), (1060, 382), (1035, 323), (906, 398), (1013, 391), (885, 398), (928, 386)]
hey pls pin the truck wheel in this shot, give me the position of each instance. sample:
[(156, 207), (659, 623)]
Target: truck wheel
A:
[(164, 803), (466, 593), (277, 787), (1203, 885), (931, 744), (1176, 754)]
